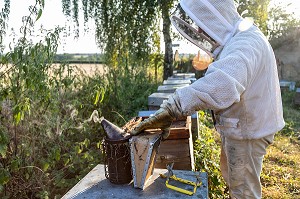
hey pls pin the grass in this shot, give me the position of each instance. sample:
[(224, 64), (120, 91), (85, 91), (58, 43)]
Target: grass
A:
[(281, 174)]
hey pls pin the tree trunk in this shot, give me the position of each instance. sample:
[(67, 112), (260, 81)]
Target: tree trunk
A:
[(168, 59)]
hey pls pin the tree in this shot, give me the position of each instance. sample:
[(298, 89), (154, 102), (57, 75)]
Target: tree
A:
[(273, 19), (165, 8), (256, 9), (281, 24), (126, 29), (3, 21)]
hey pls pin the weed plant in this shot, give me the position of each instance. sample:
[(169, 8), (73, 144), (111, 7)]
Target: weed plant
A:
[(47, 143), (281, 175), (207, 155)]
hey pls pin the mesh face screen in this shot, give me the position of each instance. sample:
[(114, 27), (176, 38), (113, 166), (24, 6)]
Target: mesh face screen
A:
[(187, 28), (218, 18), (195, 36)]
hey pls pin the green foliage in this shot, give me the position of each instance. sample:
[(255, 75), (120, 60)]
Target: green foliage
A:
[(3, 141), (128, 31), (55, 145), (46, 142), (78, 58), (207, 156), (4, 14), (124, 96), (44, 146), (124, 29), (281, 23), (257, 10), (291, 114)]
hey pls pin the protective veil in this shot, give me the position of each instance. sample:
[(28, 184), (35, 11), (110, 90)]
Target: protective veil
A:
[(190, 19), (242, 84)]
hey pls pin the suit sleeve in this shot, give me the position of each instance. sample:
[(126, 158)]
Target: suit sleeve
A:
[(222, 85)]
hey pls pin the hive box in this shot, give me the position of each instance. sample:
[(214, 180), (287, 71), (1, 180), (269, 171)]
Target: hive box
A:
[(177, 148), (156, 99), (184, 75), (176, 82), (170, 88)]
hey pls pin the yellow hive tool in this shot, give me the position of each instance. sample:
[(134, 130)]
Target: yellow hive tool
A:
[(171, 175)]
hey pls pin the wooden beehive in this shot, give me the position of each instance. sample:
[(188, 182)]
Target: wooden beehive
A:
[(177, 148), (170, 88), (184, 75), (176, 82), (156, 99)]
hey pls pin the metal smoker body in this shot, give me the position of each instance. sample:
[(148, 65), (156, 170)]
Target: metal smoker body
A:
[(143, 150)]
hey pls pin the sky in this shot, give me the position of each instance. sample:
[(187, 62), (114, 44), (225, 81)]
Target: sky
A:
[(52, 16)]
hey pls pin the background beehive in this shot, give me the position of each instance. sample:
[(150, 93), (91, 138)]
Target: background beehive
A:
[(297, 97)]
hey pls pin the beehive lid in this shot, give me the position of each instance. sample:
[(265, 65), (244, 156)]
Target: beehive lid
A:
[(170, 88), (156, 99), (179, 81)]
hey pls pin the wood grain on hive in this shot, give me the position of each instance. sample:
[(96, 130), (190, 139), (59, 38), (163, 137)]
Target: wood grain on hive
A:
[(177, 148)]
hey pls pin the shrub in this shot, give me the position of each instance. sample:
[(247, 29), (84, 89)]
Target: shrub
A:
[(207, 156), (46, 143)]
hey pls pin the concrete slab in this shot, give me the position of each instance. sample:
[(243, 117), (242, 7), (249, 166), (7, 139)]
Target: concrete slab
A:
[(95, 186)]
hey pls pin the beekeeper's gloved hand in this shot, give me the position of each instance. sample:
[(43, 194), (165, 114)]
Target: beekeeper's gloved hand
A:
[(169, 110)]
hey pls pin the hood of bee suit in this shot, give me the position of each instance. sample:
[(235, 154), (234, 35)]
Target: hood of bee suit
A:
[(218, 18)]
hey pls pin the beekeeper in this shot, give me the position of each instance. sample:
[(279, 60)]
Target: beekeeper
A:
[(241, 86)]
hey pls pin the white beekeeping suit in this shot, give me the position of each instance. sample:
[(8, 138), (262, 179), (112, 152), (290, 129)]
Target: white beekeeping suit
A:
[(241, 86)]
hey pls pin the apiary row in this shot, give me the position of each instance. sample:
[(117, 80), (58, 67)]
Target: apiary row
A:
[(178, 147)]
